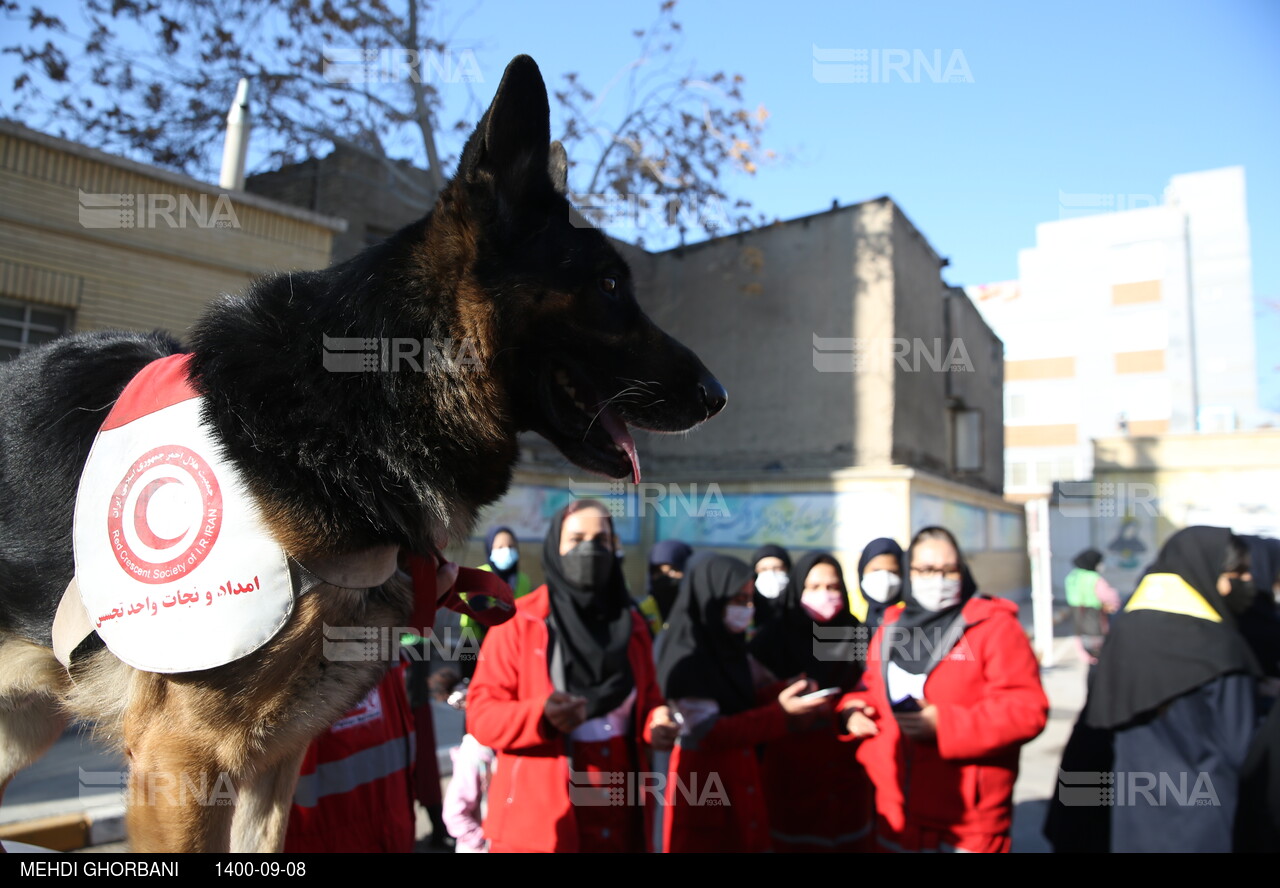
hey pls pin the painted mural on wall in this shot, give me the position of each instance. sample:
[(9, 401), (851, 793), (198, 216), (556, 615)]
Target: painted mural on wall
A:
[(1128, 544), (793, 520), (1006, 531), (967, 522), (1127, 548), (527, 510)]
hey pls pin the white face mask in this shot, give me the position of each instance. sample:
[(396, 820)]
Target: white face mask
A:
[(504, 558), (881, 585), (737, 617), (770, 583), (936, 593)]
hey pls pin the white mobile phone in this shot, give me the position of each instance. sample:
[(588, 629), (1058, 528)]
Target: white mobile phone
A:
[(818, 695)]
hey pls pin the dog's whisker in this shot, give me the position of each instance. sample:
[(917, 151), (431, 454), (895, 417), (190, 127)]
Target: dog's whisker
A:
[(605, 406)]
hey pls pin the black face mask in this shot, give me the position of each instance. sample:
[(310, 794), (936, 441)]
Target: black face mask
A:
[(1242, 595), (665, 589), (588, 565)]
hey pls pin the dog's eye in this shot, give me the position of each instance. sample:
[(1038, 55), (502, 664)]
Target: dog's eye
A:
[(609, 286)]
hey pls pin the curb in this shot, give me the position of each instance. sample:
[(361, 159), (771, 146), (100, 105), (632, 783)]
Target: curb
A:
[(103, 824), (69, 832)]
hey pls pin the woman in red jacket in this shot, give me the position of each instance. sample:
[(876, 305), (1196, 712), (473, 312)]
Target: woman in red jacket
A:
[(565, 693), (714, 798), (815, 634), (954, 691)]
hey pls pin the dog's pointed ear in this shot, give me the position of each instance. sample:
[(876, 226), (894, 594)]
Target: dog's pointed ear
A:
[(558, 167), (510, 145)]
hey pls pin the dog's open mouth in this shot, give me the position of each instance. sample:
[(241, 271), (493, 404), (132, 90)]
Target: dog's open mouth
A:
[(585, 426)]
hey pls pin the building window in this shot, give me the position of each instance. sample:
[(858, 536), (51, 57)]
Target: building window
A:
[(23, 325), (1017, 408), (1217, 418), (1136, 292), (967, 434), (1042, 473), (1017, 474)]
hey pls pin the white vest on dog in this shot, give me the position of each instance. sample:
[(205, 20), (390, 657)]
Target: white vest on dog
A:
[(177, 571)]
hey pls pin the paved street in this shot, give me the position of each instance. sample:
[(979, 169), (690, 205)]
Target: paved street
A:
[(72, 778)]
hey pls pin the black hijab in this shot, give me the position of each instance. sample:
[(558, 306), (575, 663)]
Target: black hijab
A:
[(488, 554), (768, 609), (1257, 826), (875, 609), (1260, 624), (700, 657), (786, 646), (769, 550), (1150, 656), (592, 628), (676, 554), (927, 636), (1089, 559)]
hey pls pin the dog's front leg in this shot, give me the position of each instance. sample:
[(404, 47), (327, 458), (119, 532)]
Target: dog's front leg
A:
[(180, 797), (262, 807), (31, 717)]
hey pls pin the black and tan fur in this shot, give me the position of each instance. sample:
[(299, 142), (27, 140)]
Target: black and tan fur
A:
[(338, 462)]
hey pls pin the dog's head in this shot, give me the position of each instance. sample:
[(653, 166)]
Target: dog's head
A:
[(576, 358)]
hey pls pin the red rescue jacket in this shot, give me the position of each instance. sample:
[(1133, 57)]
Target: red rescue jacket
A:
[(533, 804), (715, 798), (819, 796), (355, 789), (989, 702)]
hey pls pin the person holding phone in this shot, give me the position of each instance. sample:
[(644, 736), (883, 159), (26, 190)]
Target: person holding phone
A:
[(815, 635), (565, 694), (952, 692), (714, 801)]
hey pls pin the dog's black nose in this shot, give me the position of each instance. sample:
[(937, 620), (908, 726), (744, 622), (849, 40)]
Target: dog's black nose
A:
[(713, 395)]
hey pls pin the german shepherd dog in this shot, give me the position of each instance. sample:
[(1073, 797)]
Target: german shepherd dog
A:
[(335, 462)]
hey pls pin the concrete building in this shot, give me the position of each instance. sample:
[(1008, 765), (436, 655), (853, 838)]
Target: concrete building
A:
[(1127, 323), (864, 401), (865, 392), (376, 197), (90, 241)]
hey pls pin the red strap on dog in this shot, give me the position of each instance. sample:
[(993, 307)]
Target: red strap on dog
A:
[(480, 594)]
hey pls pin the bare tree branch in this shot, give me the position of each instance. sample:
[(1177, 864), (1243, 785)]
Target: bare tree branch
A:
[(153, 80)]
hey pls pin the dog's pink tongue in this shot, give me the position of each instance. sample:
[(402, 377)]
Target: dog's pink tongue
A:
[(617, 430)]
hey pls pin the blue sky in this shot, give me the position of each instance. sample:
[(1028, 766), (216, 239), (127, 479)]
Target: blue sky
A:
[(1083, 97)]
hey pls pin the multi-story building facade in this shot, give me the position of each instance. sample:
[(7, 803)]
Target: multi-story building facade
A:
[(1137, 323)]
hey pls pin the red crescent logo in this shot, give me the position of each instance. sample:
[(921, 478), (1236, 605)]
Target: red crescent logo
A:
[(206, 516), (140, 525)]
